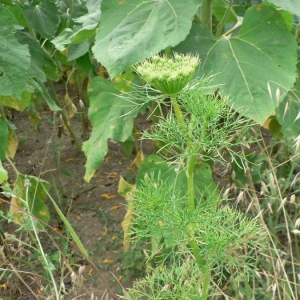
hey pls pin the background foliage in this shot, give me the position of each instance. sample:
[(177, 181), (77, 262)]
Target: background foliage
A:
[(250, 47)]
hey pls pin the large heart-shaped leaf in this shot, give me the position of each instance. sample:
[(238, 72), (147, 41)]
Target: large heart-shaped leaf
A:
[(43, 17), (137, 29), (262, 54), (292, 6), (14, 58), (111, 116)]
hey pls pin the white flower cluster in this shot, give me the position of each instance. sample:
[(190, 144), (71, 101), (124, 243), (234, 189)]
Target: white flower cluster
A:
[(169, 75)]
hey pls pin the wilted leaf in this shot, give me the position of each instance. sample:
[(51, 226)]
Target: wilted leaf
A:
[(16, 103), (3, 138), (12, 144), (124, 189), (3, 173), (111, 117), (30, 196), (70, 107)]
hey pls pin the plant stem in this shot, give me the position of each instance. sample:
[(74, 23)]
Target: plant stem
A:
[(84, 121), (64, 116), (47, 266), (223, 21), (179, 116), (12, 164), (206, 14), (206, 282), (190, 181)]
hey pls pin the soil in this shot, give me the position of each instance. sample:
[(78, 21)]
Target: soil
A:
[(94, 209)]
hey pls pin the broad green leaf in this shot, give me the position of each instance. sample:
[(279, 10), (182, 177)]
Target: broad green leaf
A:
[(203, 179), (50, 67), (262, 54), (3, 138), (86, 64), (84, 28), (72, 36), (288, 113), (78, 50), (7, 2), (40, 88), (36, 52), (156, 165), (31, 194), (292, 6), (3, 173), (128, 145), (17, 10), (14, 58), (139, 29), (111, 117), (43, 18)]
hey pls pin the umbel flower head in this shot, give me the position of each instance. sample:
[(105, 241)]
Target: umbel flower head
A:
[(168, 74)]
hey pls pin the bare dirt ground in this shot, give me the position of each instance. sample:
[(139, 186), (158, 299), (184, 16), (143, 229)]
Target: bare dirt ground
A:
[(94, 209)]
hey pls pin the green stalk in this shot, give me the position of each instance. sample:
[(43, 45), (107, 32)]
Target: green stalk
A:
[(64, 116), (190, 180), (84, 103), (206, 282), (223, 21), (192, 160), (206, 14), (47, 266), (179, 116)]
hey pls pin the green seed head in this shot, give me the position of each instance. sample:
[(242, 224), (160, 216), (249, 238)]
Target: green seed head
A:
[(168, 75)]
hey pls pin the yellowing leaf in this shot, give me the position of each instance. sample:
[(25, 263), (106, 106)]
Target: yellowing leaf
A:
[(4, 286), (112, 175), (108, 197), (124, 187), (115, 207), (139, 159), (107, 261), (126, 225), (69, 159), (12, 144), (30, 196), (70, 107)]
